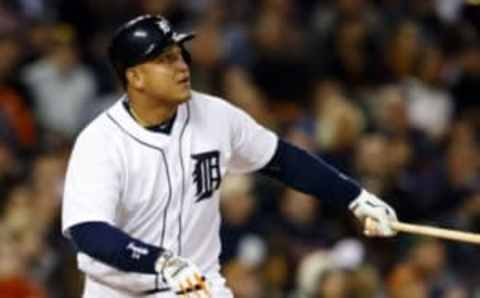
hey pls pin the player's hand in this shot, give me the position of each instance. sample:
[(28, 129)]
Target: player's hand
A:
[(183, 277), (379, 214)]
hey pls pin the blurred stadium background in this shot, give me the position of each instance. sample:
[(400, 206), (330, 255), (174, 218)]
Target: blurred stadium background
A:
[(386, 90)]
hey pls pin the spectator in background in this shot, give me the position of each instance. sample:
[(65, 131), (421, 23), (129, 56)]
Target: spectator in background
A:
[(383, 164), (18, 218), (310, 272), (242, 91), (207, 51), (465, 89), (21, 246), (279, 66), (366, 282), (327, 16), (430, 106), (88, 17), (352, 50), (338, 272), (31, 212), (46, 187), (436, 189), (38, 39), (245, 280), (33, 9), (61, 85), (239, 210), (108, 87), (333, 126), (339, 123), (388, 112), (333, 284), (14, 280), (401, 51), (171, 9), (371, 165), (426, 15), (411, 158), (296, 232), (10, 168), (461, 176), (468, 218), (18, 127), (9, 19), (423, 273), (47, 179), (449, 10), (244, 272)]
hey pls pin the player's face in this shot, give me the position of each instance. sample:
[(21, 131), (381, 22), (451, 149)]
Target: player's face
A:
[(167, 77)]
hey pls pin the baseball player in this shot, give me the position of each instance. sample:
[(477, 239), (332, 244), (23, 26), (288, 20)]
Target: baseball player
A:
[(141, 201)]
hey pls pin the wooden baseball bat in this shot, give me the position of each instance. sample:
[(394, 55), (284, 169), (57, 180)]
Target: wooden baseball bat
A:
[(430, 231)]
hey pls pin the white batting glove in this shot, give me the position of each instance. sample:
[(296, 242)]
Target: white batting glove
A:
[(183, 277), (379, 214)]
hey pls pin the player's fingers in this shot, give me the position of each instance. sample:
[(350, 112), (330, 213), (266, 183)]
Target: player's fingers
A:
[(200, 288), (197, 287), (380, 228), (183, 290), (200, 280), (192, 287), (203, 285)]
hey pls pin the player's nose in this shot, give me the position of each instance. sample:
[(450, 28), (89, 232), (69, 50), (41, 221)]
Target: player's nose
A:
[(181, 64)]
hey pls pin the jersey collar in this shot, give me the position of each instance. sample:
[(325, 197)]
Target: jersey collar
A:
[(124, 121), (164, 127)]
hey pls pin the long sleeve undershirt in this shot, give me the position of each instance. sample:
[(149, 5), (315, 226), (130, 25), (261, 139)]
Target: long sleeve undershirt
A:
[(304, 172), (112, 246)]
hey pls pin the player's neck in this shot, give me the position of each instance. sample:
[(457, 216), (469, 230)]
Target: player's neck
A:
[(147, 112)]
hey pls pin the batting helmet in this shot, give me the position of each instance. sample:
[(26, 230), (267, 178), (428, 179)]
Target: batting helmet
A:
[(141, 39)]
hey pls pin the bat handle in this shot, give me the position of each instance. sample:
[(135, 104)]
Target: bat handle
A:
[(430, 231)]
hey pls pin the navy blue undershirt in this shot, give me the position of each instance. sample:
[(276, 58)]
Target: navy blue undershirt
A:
[(291, 165), (164, 127), (114, 247), (309, 174)]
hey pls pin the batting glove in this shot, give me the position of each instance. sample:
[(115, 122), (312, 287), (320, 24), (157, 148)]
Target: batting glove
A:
[(368, 206), (183, 277)]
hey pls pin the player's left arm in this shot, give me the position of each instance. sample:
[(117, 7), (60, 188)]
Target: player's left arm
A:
[(255, 148), (307, 173)]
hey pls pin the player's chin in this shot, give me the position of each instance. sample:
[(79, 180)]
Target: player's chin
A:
[(184, 94)]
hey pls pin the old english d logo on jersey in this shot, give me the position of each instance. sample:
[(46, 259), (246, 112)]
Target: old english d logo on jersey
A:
[(206, 173)]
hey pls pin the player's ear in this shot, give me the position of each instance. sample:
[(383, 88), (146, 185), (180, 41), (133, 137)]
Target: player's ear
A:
[(134, 77)]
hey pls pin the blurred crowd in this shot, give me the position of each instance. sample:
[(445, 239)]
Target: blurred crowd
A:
[(388, 91)]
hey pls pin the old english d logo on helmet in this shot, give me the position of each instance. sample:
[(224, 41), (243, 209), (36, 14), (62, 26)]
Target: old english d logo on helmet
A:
[(164, 26)]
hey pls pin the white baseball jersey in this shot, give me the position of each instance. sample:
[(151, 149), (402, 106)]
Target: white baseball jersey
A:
[(160, 188)]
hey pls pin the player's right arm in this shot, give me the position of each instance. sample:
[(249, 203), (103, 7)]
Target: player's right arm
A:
[(117, 249), (91, 197)]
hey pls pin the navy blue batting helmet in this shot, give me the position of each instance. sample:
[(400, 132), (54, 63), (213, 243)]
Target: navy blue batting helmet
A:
[(141, 39)]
